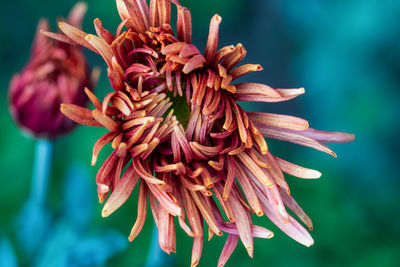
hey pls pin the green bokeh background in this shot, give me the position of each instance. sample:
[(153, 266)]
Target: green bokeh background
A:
[(347, 56)]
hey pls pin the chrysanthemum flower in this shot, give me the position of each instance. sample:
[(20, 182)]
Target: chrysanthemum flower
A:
[(56, 73), (180, 135)]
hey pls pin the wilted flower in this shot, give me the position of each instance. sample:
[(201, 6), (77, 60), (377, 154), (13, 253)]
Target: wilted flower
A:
[(175, 123), (55, 73)]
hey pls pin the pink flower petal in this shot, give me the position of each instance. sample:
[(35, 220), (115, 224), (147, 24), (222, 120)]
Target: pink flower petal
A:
[(296, 138), (184, 24), (278, 120), (328, 137), (243, 223), (230, 245), (296, 170), (268, 95), (212, 42), (76, 35), (121, 192)]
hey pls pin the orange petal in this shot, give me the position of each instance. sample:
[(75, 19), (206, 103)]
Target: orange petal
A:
[(141, 212), (121, 192), (80, 115), (278, 120), (100, 143), (104, 120), (296, 170), (212, 42), (76, 35), (229, 247)]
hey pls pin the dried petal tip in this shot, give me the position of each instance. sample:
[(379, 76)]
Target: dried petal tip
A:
[(104, 213), (250, 251), (212, 42)]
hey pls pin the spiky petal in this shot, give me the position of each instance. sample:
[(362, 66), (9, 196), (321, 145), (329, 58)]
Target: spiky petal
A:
[(175, 122)]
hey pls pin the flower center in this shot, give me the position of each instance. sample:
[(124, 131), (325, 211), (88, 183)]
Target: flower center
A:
[(179, 105)]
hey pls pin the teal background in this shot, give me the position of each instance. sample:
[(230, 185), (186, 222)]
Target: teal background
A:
[(345, 53)]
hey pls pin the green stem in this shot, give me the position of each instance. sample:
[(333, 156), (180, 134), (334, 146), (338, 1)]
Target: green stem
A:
[(41, 171)]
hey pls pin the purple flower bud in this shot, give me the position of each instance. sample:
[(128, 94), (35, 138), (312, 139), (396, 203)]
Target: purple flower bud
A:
[(56, 73)]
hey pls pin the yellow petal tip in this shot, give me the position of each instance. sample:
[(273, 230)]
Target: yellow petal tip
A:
[(104, 213)]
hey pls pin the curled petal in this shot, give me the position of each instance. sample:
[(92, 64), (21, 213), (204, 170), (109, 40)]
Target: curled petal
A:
[(268, 95), (190, 186), (292, 204), (231, 60), (173, 48), (230, 178), (296, 170), (243, 224), (249, 192), (103, 33), (116, 79), (279, 121), (256, 231), (292, 229), (141, 212), (153, 13), (102, 47), (196, 250), (93, 99), (245, 69), (76, 35), (138, 11), (148, 51), (212, 42), (206, 212), (164, 11), (80, 115), (121, 192), (275, 200), (192, 212), (230, 245), (256, 89), (104, 120), (106, 176), (328, 137), (184, 25), (189, 51), (144, 174), (295, 138), (166, 231), (255, 169), (194, 63), (121, 105), (105, 139), (165, 200), (59, 37), (124, 14), (138, 150)]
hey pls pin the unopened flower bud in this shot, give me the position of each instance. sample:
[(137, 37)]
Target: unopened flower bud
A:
[(56, 73)]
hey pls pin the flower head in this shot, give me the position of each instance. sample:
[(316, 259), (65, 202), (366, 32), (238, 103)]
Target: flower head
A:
[(176, 127), (55, 73)]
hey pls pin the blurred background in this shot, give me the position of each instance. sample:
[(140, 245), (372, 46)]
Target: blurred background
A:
[(347, 56)]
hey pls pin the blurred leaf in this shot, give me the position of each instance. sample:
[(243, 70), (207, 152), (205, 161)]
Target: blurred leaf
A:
[(32, 227), (79, 196), (7, 254), (96, 250)]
